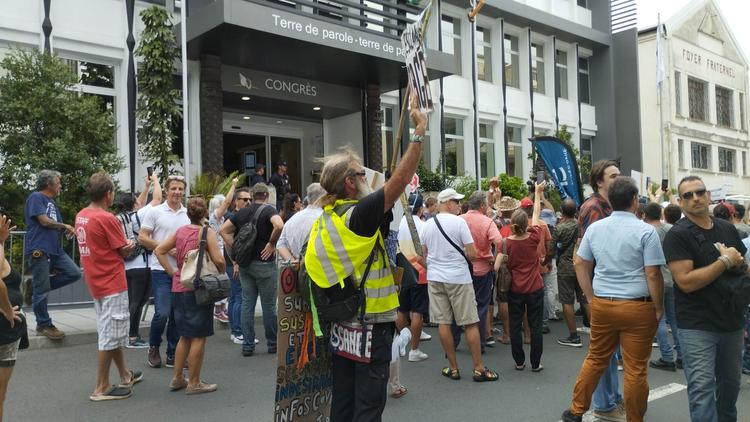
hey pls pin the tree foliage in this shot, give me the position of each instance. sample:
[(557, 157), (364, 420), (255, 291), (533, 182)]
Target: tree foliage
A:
[(157, 99), (207, 185), (45, 123)]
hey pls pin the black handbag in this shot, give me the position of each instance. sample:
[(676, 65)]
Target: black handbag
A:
[(209, 288)]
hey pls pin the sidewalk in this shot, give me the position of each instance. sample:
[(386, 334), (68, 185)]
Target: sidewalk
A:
[(79, 324)]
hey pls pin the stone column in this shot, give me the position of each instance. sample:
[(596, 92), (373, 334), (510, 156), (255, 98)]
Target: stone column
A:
[(211, 117), (374, 119)]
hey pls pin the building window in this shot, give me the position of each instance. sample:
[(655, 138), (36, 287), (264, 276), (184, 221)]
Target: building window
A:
[(582, 3), (486, 150), (515, 152), (743, 124), (726, 160), (484, 54), (677, 94), (697, 99), (680, 154), (386, 139), (561, 66), (586, 152), (96, 80), (454, 146), (512, 61), (700, 155), (451, 28), (583, 80), (724, 109), (537, 68), (744, 163)]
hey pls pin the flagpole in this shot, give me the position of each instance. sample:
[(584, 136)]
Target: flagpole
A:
[(660, 89), (185, 109)]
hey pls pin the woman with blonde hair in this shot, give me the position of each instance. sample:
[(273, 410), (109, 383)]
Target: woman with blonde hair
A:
[(194, 322), (526, 292)]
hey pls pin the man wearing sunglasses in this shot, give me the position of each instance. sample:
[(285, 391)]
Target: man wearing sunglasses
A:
[(699, 249)]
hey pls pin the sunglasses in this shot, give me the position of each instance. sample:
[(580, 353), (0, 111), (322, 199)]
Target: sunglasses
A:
[(689, 195), (176, 177), (243, 199)]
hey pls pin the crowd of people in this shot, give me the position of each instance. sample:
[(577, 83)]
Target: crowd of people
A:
[(666, 276)]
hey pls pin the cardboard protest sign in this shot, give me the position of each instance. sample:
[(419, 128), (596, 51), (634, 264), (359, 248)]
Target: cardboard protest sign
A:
[(416, 65), (305, 394)]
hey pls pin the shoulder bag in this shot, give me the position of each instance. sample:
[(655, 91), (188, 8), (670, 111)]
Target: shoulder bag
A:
[(504, 278), (200, 274), (458, 248)]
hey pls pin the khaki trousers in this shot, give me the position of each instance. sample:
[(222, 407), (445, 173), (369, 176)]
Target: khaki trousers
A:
[(632, 324)]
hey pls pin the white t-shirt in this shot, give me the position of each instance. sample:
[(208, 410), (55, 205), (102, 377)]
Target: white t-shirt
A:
[(143, 260), (215, 223), (297, 230), (163, 221), (404, 235), (444, 262)]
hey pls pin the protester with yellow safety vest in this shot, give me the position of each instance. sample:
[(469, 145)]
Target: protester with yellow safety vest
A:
[(341, 243)]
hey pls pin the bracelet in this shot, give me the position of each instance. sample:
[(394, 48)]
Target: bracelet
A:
[(726, 261), (417, 138)]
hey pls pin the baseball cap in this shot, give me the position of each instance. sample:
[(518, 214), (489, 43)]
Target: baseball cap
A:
[(260, 188), (415, 202), (447, 194), (527, 203), (281, 163)]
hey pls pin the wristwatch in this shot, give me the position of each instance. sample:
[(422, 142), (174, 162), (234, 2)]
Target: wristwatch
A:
[(417, 138)]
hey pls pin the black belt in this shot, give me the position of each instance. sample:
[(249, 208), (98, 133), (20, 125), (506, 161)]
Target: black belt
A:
[(633, 299)]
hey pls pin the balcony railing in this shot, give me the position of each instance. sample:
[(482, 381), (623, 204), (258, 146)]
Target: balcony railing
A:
[(383, 17)]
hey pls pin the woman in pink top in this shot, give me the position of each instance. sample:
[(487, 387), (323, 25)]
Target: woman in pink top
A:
[(194, 322)]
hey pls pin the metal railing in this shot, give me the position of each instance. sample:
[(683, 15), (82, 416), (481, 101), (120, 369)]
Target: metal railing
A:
[(75, 293), (383, 17)]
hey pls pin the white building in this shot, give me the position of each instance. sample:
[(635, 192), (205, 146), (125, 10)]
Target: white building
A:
[(558, 66), (704, 106)]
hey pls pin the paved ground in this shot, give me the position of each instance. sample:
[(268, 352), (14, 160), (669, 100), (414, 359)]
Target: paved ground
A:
[(54, 384)]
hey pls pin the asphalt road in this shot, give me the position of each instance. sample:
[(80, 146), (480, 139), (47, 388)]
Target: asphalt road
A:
[(53, 385)]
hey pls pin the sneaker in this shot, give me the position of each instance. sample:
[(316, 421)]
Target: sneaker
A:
[(154, 357), (247, 352), (615, 415), (497, 331), (490, 341), (221, 316), (417, 355), (170, 362), (584, 330), (424, 336), (571, 340), (51, 332), (236, 339), (568, 416), (654, 343), (137, 343), (545, 329), (27, 291), (662, 364)]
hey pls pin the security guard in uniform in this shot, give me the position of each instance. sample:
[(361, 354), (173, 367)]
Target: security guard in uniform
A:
[(344, 241)]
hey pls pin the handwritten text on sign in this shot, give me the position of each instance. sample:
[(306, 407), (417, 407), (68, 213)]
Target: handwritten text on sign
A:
[(416, 65)]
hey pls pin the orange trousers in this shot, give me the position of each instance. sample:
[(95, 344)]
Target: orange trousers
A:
[(633, 325)]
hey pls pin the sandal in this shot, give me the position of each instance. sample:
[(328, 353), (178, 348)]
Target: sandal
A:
[(451, 373), (485, 375), (400, 392)]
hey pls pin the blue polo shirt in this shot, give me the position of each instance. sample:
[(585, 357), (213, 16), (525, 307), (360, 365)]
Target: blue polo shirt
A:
[(622, 245), (38, 236)]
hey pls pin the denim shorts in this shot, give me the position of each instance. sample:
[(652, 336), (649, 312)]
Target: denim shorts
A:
[(8, 353), (192, 320)]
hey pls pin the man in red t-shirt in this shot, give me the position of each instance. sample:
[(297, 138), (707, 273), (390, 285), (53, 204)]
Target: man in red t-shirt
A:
[(102, 244)]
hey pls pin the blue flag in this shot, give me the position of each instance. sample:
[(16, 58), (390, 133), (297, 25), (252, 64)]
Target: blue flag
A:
[(561, 165)]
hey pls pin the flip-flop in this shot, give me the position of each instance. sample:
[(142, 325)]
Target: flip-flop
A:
[(400, 392), (114, 393), (135, 378)]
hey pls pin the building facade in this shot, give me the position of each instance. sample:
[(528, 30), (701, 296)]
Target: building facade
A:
[(704, 101), (273, 80)]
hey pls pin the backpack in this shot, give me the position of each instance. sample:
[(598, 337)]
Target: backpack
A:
[(244, 242), (132, 234)]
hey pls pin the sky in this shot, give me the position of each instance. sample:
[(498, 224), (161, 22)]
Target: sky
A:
[(734, 11)]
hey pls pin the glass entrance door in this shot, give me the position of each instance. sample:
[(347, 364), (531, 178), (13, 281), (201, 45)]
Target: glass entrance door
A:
[(288, 149)]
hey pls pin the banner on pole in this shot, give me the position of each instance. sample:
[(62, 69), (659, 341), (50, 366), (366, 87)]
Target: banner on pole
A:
[(304, 394), (561, 165), (416, 64)]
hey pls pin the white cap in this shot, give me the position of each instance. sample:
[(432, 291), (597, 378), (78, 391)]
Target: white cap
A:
[(448, 194)]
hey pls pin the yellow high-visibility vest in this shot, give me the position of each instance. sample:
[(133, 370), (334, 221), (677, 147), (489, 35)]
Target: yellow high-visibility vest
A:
[(334, 252)]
